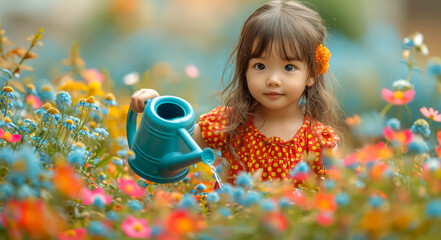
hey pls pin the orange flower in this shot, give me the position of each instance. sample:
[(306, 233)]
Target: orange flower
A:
[(322, 57), (66, 181), (325, 202), (182, 222)]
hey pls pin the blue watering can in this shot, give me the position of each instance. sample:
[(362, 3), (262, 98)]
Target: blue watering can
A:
[(163, 145)]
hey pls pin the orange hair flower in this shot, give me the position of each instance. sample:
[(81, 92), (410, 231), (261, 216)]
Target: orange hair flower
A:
[(322, 56)]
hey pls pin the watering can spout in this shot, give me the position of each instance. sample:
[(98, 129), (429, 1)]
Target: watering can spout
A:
[(162, 140), (176, 161)]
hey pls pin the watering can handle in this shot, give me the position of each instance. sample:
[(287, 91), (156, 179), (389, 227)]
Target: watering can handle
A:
[(131, 124)]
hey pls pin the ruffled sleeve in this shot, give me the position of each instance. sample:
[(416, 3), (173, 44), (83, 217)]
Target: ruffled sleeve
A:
[(320, 137), (212, 126)]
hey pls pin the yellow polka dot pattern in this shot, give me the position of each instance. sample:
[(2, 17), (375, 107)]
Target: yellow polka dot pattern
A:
[(272, 154)]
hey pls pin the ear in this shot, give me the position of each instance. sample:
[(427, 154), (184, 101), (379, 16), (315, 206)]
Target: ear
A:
[(310, 81)]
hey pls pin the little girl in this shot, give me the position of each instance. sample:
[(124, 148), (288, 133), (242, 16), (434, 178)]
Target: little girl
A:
[(277, 107)]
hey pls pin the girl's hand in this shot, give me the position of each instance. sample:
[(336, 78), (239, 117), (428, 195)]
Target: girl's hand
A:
[(137, 101)]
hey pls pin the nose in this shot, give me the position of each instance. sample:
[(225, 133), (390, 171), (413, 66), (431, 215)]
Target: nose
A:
[(273, 80)]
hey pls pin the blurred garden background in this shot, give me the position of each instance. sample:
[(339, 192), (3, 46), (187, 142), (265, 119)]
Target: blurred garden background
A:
[(165, 36), (64, 154)]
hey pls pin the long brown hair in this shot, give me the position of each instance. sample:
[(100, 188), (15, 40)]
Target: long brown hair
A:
[(293, 29)]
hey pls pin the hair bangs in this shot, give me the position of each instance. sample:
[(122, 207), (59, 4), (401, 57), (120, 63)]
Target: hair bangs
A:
[(280, 37)]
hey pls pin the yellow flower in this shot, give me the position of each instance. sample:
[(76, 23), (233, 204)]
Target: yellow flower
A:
[(69, 121), (95, 88), (90, 99), (8, 89), (84, 128), (322, 57), (30, 86), (7, 119), (53, 111), (46, 106), (109, 97), (46, 88)]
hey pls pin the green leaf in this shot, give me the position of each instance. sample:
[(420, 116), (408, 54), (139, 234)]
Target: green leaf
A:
[(103, 162)]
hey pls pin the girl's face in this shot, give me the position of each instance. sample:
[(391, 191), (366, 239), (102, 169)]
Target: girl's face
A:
[(275, 82)]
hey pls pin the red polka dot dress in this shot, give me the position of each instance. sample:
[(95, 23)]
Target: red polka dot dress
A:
[(273, 155)]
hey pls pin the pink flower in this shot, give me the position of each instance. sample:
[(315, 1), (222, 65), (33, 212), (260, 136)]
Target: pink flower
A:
[(192, 71), (431, 114), (403, 137), (275, 221), (91, 75), (397, 97), (77, 234), (96, 197), (325, 218), (130, 188), (9, 137), (34, 101), (136, 228)]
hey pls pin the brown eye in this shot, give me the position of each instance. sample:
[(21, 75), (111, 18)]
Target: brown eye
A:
[(290, 68), (259, 66)]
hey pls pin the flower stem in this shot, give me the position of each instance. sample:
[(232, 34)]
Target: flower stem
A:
[(409, 64), (385, 109), (37, 37)]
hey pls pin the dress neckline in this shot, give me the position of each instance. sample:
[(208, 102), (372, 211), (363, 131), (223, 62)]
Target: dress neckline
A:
[(279, 140)]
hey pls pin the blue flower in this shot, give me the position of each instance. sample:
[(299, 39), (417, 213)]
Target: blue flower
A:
[(187, 201), (25, 191), (434, 69), (76, 157), (46, 93), (112, 215), (31, 123), (422, 127), (6, 190), (8, 92), (25, 165), (109, 102), (394, 124), (251, 198), (284, 202), (268, 205), (24, 129), (433, 209), (342, 199), (102, 132), (121, 141), (301, 167), (201, 187), (63, 100), (376, 201), (226, 212), (330, 184), (7, 155), (135, 205), (69, 125), (97, 228), (418, 147), (213, 197), (244, 180)]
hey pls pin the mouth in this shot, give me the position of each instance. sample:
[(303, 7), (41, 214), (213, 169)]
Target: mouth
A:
[(273, 94)]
